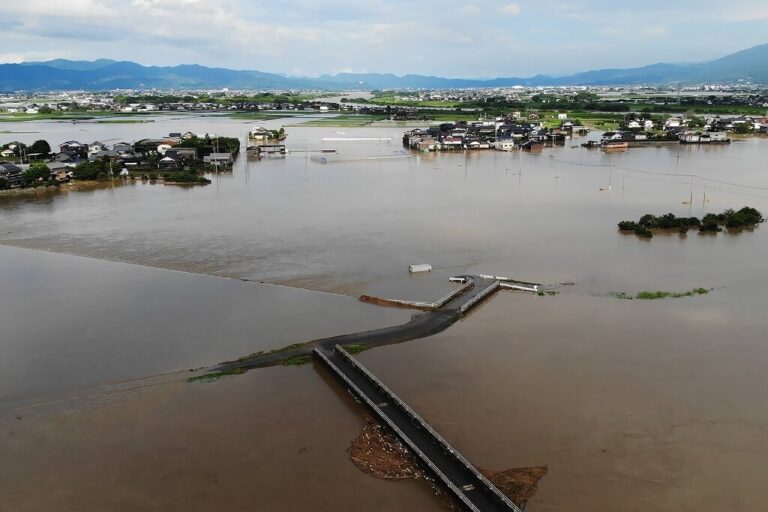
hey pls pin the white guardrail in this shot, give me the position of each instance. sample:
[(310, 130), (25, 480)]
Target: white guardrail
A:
[(480, 296), (407, 440), (513, 284), (423, 424), (439, 302)]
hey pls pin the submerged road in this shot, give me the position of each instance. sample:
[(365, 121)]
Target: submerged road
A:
[(420, 326)]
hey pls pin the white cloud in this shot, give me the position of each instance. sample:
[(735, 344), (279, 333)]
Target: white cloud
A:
[(511, 10), (72, 9), (756, 13), (656, 31), (310, 37), (15, 58)]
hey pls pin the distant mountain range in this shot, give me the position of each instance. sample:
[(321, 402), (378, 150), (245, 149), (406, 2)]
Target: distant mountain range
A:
[(104, 74)]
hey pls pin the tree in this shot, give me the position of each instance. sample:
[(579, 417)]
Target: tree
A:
[(40, 146), (15, 146), (743, 128), (89, 170), (37, 172)]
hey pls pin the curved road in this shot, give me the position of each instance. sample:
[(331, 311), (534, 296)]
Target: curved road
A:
[(420, 326)]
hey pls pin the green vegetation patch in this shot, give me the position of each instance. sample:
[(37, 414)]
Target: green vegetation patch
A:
[(355, 348), (214, 376), (710, 223), (186, 177), (674, 295), (656, 295), (295, 360), (260, 353)]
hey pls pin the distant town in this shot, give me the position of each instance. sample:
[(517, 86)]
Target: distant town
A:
[(503, 119)]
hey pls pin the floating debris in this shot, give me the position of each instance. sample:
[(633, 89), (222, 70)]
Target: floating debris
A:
[(377, 452)]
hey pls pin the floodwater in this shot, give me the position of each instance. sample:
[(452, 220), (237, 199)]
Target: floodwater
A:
[(70, 322), (633, 405)]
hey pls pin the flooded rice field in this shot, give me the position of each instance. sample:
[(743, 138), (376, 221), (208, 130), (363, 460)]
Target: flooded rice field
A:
[(633, 405)]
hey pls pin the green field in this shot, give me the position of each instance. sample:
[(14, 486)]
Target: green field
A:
[(343, 120), (394, 100)]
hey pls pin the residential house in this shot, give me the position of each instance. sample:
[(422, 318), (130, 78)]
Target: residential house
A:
[(224, 159), (259, 134), (96, 146), (68, 157), (122, 147), (504, 145), (169, 163), (71, 145), (187, 154), (105, 153), (11, 173), (673, 122), (60, 171)]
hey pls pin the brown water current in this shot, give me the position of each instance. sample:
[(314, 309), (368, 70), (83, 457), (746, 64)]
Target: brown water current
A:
[(633, 405), (269, 440)]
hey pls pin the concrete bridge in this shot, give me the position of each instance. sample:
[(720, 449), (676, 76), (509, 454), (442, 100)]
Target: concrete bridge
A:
[(470, 488), (454, 472)]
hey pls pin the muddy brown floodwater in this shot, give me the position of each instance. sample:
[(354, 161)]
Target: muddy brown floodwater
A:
[(631, 405), (272, 439), (377, 452), (634, 406)]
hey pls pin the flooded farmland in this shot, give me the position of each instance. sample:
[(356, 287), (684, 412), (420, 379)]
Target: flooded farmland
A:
[(633, 405)]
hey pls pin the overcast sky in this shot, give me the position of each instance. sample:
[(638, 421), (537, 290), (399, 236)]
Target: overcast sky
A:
[(447, 38)]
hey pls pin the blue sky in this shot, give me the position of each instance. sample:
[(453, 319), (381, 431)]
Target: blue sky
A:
[(447, 38)]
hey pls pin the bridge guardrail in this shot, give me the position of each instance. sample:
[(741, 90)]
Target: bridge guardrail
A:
[(480, 296), (447, 447), (420, 304), (383, 417)]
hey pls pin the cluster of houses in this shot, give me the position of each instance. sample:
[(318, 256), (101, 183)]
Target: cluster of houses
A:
[(166, 154), (709, 130), (503, 134)]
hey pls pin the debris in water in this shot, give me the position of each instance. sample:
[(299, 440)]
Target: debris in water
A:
[(377, 452)]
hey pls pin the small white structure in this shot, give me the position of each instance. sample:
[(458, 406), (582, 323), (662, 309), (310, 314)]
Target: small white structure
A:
[(421, 267), (162, 148), (718, 136)]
